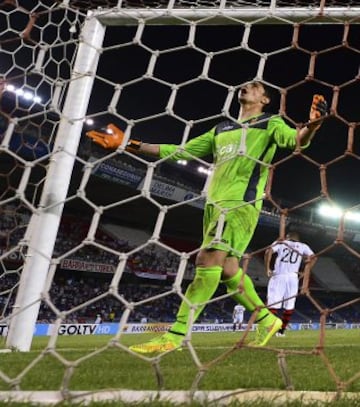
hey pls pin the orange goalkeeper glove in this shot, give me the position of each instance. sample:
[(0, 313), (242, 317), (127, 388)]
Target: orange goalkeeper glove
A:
[(319, 107), (318, 111), (112, 138)]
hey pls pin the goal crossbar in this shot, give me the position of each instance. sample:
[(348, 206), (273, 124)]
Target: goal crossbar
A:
[(228, 16)]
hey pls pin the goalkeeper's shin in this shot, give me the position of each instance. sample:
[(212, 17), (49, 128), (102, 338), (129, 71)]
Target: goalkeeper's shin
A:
[(199, 291), (248, 296)]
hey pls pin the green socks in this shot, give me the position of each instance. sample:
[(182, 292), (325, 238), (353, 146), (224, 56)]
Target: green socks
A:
[(249, 298), (199, 291), (203, 288)]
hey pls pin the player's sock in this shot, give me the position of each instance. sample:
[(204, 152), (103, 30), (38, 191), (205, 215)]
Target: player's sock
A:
[(286, 316), (249, 298), (199, 291)]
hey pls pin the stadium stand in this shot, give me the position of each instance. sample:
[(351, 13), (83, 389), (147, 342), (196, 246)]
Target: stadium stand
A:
[(331, 277), (151, 271)]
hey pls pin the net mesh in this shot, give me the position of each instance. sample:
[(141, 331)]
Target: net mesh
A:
[(126, 215)]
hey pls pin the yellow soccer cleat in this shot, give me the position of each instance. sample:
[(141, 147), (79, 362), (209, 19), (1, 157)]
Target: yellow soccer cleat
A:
[(161, 344), (266, 329)]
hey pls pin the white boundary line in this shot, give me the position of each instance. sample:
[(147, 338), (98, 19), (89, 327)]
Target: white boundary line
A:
[(276, 397)]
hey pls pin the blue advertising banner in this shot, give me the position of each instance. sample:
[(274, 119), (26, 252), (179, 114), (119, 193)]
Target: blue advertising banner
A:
[(112, 171), (136, 328)]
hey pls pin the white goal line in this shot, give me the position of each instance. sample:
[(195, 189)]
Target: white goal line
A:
[(277, 397)]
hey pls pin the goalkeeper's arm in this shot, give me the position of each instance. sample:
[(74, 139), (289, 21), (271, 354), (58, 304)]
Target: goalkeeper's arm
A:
[(113, 138), (318, 112)]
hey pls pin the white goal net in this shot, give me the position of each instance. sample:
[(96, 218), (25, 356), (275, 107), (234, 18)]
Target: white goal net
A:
[(99, 242)]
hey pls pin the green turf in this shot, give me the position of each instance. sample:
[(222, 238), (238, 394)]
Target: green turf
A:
[(114, 368)]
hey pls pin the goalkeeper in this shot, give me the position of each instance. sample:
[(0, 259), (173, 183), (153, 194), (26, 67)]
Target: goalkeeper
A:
[(242, 153)]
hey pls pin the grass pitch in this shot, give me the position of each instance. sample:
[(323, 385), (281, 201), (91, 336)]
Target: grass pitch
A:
[(93, 363)]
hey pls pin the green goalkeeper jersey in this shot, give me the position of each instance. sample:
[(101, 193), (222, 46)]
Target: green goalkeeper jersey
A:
[(242, 154)]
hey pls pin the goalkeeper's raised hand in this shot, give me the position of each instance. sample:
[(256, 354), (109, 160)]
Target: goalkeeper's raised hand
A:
[(112, 138), (318, 110)]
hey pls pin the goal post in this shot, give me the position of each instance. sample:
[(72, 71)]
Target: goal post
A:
[(70, 78), (46, 219)]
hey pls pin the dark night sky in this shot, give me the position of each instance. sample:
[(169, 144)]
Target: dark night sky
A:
[(336, 66), (201, 100)]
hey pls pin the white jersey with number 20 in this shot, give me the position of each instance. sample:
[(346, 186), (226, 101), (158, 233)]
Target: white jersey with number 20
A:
[(284, 283), (289, 256)]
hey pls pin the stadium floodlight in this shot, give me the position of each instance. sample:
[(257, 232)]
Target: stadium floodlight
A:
[(330, 211), (335, 212), (10, 88), (203, 170), (352, 216), (182, 162), (28, 95), (19, 92), (25, 94)]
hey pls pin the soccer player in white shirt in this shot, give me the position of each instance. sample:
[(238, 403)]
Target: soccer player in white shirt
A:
[(98, 319), (238, 316), (284, 278)]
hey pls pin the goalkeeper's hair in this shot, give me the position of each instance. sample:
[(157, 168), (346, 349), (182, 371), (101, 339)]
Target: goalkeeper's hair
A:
[(274, 98)]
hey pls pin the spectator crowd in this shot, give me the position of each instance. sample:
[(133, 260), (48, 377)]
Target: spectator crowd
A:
[(82, 296)]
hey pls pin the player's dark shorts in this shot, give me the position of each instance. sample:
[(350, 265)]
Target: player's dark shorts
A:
[(239, 220)]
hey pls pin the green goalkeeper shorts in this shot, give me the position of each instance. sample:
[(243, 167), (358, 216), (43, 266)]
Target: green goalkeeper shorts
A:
[(240, 220)]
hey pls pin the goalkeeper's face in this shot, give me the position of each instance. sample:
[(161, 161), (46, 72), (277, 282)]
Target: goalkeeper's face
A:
[(253, 93)]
